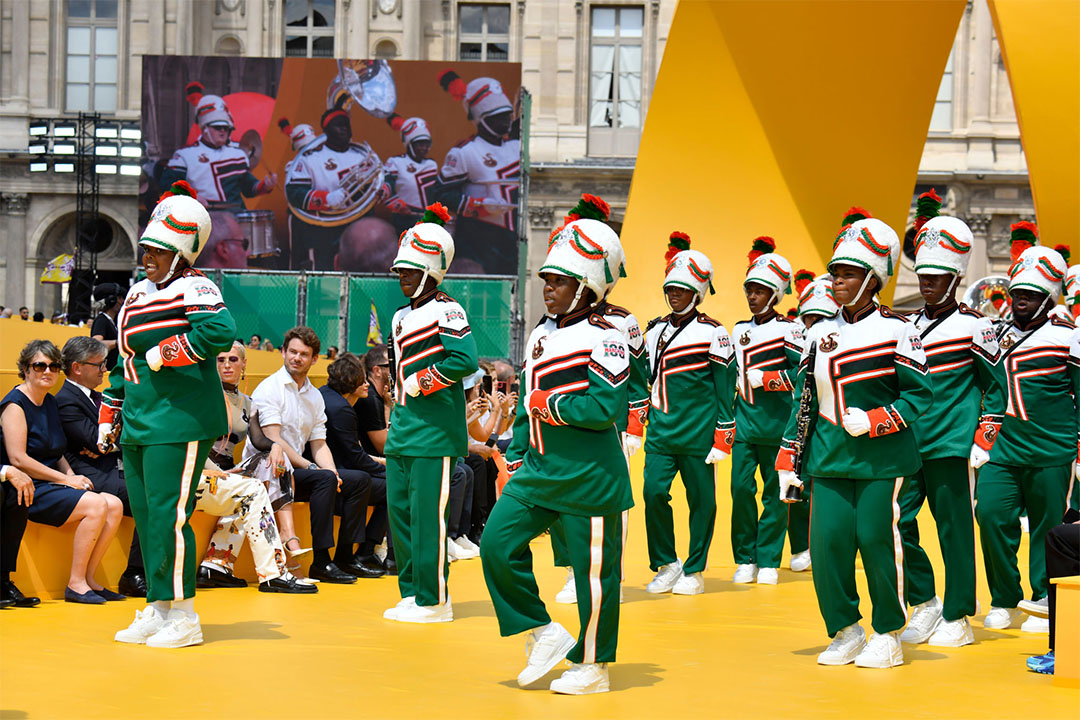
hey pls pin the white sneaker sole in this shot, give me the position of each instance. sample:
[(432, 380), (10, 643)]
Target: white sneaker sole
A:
[(601, 687), (896, 660), (918, 638), (696, 590), (951, 642), (132, 639), (1034, 609), (194, 639), (998, 625), (531, 674), (837, 660), (660, 589)]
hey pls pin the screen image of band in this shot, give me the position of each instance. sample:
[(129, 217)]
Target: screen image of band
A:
[(321, 164)]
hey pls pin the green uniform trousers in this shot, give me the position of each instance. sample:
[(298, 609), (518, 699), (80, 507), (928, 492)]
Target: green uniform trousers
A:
[(760, 541), (946, 485), (999, 493), (417, 490), (699, 478), (849, 516), (595, 547), (561, 552), (161, 482)]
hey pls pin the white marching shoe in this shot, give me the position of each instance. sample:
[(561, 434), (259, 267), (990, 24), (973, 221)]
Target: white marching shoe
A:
[(453, 551), (882, 651), (179, 630), (1036, 608), (665, 578), (413, 613), (1000, 618), (568, 594), (583, 679), (147, 622), (801, 561), (845, 646), (464, 542), (952, 633), (768, 576), (1035, 625), (924, 621), (403, 603), (692, 584), (744, 574), (465, 552), (546, 648)]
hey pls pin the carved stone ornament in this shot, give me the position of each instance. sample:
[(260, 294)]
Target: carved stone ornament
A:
[(14, 203)]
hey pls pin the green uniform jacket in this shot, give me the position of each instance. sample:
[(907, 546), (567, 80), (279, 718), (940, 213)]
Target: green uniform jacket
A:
[(431, 333), (184, 400), (773, 347), (637, 385)]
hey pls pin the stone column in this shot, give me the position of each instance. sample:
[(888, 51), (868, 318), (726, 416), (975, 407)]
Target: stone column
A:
[(13, 207)]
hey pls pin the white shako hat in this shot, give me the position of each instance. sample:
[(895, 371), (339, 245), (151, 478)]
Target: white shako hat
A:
[(868, 243), (768, 268), (1072, 286), (480, 97), (209, 109), (815, 294), (178, 223), (687, 268), (427, 246), (300, 135), (588, 251), (1040, 269), (943, 246)]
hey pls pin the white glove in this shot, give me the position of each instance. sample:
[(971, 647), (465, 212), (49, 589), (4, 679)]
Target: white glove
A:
[(103, 430), (335, 198), (631, 444), (153, 358), (978, 457), (755, 377), (411, 386), (788, 480), (715, 455), (856, 422)]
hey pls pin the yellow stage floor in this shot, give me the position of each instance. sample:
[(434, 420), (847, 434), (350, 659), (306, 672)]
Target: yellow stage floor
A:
[(735, 652)]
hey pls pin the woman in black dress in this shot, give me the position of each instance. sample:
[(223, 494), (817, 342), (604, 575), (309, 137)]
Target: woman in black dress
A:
[(109, 296), (34, 442)]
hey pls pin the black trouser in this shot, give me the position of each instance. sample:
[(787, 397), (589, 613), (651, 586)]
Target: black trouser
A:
[(378, 523), (484, 475), (1062, 560), (113, 484), (12, 526), (319, 489), (460, 501)]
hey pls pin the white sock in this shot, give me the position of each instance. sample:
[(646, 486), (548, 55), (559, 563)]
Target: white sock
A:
[(162, 606), (187, 605)]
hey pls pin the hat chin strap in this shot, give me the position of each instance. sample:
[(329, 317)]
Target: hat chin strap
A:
[(688, 308), (862, 289), (420, 286)]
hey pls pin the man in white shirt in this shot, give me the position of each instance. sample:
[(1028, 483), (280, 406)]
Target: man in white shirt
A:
[(292, 413)]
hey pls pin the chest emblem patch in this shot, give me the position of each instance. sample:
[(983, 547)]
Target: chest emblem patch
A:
[(538, 349), (397, 330), (829, 342), (411, 168), (490, 161), (330, 164), (203, 158), (745, 339), (1008, 341)]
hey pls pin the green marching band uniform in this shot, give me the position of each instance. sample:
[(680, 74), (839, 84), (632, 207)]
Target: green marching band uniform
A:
[(567, 466), (169, 396), (961, 353), (433, 350), (1030, 461), (870, 384), (691, 426), (767, 351)]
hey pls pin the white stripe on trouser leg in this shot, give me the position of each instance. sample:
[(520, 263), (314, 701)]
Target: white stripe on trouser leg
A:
[(444, 496), (181, 518), (974, 522), (898, 547), (596, 594), (625, 526)]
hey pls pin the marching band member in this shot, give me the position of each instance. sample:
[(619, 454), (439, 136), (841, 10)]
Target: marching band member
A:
[(767, 349), (816, 299), (690, 419), (409, 176), (567, 466), (869, 383)]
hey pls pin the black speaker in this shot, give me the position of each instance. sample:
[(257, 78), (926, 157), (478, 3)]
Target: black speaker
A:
[(96, 236)]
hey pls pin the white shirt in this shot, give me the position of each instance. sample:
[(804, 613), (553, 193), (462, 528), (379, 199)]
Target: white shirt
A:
[(300, 411)]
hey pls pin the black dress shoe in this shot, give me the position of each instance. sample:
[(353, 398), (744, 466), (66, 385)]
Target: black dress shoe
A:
[(331, 573), (133, 585), (390, 565), (211, 578), (292, 585), (4, 602), (364, 567), (87, 598), (9, 592)]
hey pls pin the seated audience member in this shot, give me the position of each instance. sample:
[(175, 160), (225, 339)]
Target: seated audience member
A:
[(254, 342), (16, 495), (24, 313), (6, 313), (331, 352), (292, 413), (39, 317), (459, 512), (486, 416), (267, 345), (1062, 560), (34, 442), (345, 385), (244, 498), (84, 360), (108, 299), (373, 410)]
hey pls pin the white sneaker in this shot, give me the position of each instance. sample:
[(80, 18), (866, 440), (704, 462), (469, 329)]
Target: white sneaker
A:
[(413, 613), (582, 679), (882, 651), (546, 648), (692, 584), (1036, 625), (179, 630), (1036, 608), (924, 621), (801, 561), (768, 576), (568, 594), (1000, 618), (1025, 524), (147, 622), (665, 578), (952, 633), (468, 544), (453, 552), (744, 574), (465, 552), (403, 603), (845, 645)]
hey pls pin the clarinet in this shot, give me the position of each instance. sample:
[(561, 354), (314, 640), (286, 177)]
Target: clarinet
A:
[(804, 419)]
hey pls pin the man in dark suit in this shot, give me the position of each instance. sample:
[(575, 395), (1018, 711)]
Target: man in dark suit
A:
[(78, 401), (345, 384)]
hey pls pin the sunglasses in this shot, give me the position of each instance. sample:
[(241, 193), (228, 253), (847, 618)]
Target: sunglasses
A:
[(100, 366), (40, 367), (231, 359)]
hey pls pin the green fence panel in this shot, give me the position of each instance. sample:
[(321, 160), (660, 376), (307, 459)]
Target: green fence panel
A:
[(324, 308), (261, 303)]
